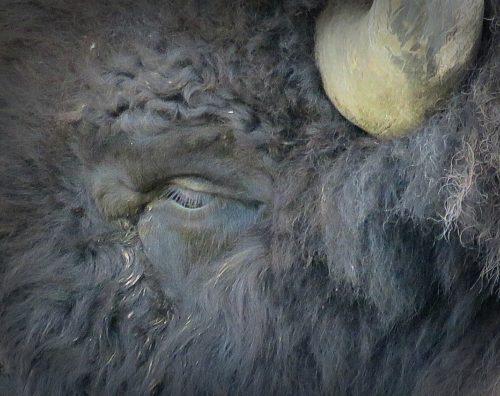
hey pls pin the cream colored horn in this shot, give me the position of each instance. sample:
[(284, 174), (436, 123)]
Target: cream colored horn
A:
[(387, 64)]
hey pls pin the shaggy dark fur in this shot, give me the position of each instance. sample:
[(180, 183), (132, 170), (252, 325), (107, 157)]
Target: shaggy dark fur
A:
[(352, 266)]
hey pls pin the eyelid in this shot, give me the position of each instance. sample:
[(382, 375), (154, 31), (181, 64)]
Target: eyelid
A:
[(202, 185), (195, 184), (186, 198), (202, 189)]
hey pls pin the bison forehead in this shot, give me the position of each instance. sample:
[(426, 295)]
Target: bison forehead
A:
[(148, 91)]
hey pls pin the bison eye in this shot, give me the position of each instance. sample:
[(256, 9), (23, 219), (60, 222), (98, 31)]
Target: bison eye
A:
[(196, 203), (191, 194), (186, 198)]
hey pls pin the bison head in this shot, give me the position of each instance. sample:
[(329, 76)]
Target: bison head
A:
[(184, 211)]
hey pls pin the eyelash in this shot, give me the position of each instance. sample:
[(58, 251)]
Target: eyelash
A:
[(187, 199)]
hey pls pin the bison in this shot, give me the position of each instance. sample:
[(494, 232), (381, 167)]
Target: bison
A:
[(292, 197)]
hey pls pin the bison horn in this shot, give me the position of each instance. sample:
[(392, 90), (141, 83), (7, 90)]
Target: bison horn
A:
[(386, 64)]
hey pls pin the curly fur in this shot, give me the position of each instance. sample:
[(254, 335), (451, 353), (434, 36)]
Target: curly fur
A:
[(376, 271)]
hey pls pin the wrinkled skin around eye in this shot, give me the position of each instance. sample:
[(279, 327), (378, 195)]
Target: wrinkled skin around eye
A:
[(183, 229), (186, 199)]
